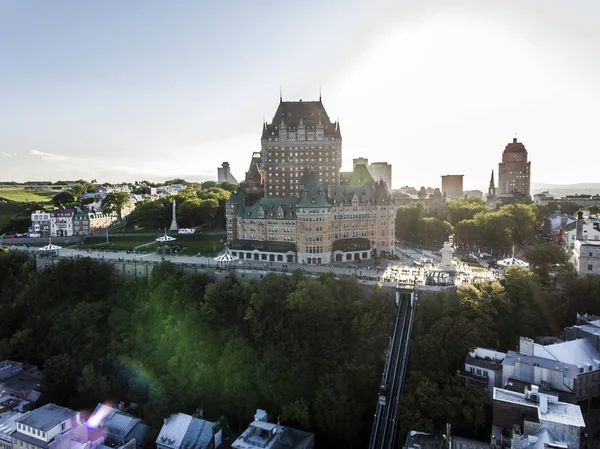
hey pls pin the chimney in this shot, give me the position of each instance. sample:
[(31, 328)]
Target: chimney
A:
[(579, 225), (516, 437), (543, 404), (526, 346)]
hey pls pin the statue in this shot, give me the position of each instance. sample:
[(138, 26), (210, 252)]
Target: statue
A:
[(174, 226)]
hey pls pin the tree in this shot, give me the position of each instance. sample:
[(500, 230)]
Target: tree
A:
[(467, 232), (64, 198), (115, 202), (229, 186), (209, 184), (465, 209), (547, 258), (407, 221)]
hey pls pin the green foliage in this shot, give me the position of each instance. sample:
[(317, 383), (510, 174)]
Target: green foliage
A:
[(412, 226), (114, 202), (64, 198), (308, 350), (464, 209), (202, 208), (547, 258)]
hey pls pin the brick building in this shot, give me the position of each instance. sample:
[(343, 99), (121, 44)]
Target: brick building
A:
[(301, 136), (514, 172), (296, 206)]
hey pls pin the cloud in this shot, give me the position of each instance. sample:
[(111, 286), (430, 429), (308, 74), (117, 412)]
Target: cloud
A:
[(8, 155), (46, 156)]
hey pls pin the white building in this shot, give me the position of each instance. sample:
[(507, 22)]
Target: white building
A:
[(261, 433), (117, 427), (61, 223), (181, 431), (39, 428), (11, 408), (534, 420), (571, 369), (586, 257), (382, 171), (40, 223), (483, 369), (589, 232)]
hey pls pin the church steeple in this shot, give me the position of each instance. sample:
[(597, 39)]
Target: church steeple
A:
[(492, 187)]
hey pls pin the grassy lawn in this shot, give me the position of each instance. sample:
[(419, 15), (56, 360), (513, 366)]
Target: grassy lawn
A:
[(193, 244), (24, 196)]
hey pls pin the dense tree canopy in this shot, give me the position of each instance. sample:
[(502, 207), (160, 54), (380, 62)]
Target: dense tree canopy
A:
[(464, 209), (310, 350), (413, 227), (195, 208)]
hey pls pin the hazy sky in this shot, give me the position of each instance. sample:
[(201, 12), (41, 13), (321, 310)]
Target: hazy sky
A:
[(125, 90)]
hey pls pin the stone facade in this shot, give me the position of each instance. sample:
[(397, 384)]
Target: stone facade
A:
[(88, 223), (344, 222)]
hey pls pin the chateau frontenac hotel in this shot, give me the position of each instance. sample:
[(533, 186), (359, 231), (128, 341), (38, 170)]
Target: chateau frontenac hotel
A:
[(295, 205)]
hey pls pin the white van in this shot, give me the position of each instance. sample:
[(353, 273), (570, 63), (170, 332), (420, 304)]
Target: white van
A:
[(187, 231)]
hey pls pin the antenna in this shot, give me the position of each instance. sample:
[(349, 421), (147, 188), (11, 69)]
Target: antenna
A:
[(280, 95), (319, 93)]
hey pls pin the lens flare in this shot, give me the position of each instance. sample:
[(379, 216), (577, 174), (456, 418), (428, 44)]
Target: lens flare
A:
[(98, 416)]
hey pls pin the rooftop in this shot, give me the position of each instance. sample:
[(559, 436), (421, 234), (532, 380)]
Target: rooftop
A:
[(46, 417), (557, 412), (515, 147), (263, 434), (186, 432), (542, 439)]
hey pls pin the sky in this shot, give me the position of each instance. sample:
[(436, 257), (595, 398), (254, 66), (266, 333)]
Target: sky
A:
[(146, 89)]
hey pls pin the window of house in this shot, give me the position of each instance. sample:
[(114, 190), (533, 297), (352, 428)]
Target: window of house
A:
[(590, 267)]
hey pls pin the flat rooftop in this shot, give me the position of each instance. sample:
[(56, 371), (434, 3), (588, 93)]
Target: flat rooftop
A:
[(46, 417), (558, 412)]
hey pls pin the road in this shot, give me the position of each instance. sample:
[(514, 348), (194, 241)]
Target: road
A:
[(389, 271)]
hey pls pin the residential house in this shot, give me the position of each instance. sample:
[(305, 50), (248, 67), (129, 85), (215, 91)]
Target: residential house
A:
[(39, 428), (81, 223), (483, 369), (181, 431), (118, 427), (534, 420), (88, 223), (586, 257), (261, 433), (568, 369), (61, 223), (20, 380), (588, 326), (40, 223), (543, 198), (11, 408)]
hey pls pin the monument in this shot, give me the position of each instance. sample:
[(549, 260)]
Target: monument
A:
[(174, 226)]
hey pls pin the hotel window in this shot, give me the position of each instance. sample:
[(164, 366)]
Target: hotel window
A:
[(590, 267)]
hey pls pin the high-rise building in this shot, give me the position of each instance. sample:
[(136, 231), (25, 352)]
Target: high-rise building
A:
[(514, 172), (382, 171), (301, 136), (224, 174), (359, 161), (452, 185)]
